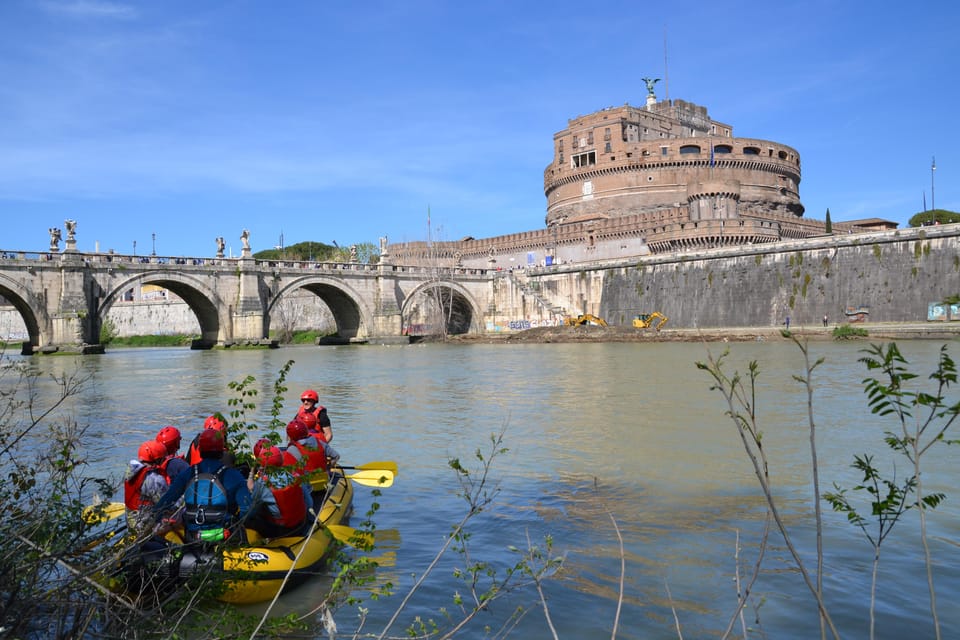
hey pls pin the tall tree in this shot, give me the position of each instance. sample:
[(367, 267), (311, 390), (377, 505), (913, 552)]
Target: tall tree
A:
[(829, 223)]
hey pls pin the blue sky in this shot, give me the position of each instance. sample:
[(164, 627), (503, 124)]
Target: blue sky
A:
[(345, 122)]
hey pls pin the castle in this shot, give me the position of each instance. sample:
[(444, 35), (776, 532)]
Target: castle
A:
[(633, 181)]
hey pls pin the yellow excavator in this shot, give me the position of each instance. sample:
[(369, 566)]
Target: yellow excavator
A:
[(584, 318), (645, 320)]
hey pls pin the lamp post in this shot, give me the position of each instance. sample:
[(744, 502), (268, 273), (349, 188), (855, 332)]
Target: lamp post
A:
[(154, 237), (134, 248), (933, 198)]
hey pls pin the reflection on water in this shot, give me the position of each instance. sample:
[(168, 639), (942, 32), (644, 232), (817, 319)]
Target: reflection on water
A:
[(624, 431)]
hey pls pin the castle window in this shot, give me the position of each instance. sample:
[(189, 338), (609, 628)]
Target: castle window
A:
[(751, 151), (663, 150), (576, 142), (584, 159), (606, 134), (590, 138), (560, 146), (782, 155), (722, 148), (607, 148), (561, 158), (690, 149)]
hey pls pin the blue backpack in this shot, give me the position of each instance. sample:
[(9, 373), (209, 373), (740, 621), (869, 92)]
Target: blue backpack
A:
[(207, 507)]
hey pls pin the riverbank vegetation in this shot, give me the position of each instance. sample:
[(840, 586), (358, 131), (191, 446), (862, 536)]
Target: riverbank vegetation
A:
[(849, 332), (921, 420)]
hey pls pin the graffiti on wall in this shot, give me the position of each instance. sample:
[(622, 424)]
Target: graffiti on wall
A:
[(522, 324)]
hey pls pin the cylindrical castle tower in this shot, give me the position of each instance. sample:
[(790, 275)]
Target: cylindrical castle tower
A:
[(670, 155)]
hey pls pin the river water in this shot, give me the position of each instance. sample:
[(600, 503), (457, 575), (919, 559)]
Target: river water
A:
[(596, 434)]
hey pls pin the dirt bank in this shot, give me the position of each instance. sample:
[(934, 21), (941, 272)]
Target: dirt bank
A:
[(590, 333)]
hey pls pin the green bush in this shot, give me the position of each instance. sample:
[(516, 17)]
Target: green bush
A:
[(848, 332)]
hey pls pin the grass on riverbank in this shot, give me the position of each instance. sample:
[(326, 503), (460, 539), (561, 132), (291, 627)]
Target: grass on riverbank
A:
[(169, 340), (180, 340)]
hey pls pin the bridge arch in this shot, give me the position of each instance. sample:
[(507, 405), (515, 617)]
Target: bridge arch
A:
[(211, 311), (444, 300), (351, 315), (32, 311)]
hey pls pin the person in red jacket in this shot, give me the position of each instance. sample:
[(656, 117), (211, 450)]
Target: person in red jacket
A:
[(314, 415), (218, 424), (307, 451), (173, 463), (281, 499), (144, 485)]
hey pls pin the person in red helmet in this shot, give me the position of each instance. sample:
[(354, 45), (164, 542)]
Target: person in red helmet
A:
[(216, 498), (144, 485), (217, 423), (308, 451), (173, 463), (280, 497), (314, 415), (260, 445)]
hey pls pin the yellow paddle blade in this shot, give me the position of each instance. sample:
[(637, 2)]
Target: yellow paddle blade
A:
[(351, 536), (97, 513), (388, 465), (380, 478)]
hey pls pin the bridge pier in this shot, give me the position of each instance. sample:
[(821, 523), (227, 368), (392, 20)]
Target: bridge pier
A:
[(387, 319), (73, 326), (247, 321)]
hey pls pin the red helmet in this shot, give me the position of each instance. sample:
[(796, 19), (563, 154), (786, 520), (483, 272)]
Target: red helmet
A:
[(210, 441), (169, 437), (309, 394), (151, 451), (271, 457), (297, 430), (214, 422), (261, 445)]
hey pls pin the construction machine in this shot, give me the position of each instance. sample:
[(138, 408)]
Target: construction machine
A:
[(645, 320), (584, 318)]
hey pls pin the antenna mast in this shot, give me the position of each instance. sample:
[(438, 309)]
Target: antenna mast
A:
[(666, 77)]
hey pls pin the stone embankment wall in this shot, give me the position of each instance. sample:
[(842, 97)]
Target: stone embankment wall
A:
[(898, 275)]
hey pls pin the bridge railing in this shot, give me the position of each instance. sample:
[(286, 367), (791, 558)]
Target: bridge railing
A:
[(426, 272), (111, 258)]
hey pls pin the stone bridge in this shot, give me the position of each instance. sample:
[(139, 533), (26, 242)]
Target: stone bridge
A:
[(63, 297), (905, 275)]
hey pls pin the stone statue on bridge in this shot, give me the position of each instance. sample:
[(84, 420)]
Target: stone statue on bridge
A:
[(221, 245), (245, 238), (71, 226), (54, 240), (353, 253)]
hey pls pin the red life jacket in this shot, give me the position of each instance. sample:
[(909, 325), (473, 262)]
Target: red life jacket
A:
[(314, 457), (193, 453), (293, 509), (131, 486), (313, 420)]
